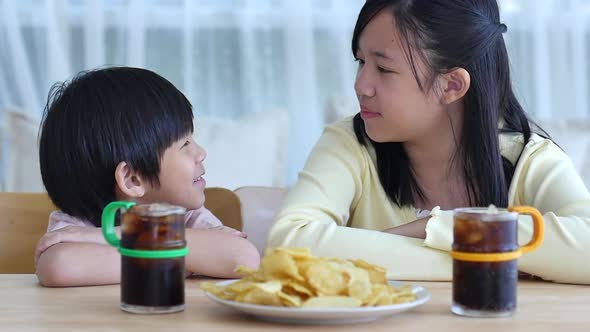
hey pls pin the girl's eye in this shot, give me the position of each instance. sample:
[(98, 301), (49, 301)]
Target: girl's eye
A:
[(360, 61), (186, 143), (383, 70)]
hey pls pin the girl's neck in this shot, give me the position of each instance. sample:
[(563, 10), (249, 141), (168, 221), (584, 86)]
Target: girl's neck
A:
[(437, 164)]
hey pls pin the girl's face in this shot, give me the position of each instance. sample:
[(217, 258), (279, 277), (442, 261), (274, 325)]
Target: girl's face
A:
[(181, 176), (393, 107)]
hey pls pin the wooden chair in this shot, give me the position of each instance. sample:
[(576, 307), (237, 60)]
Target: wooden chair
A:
[(24, 216), (23, 220), (225, 205)]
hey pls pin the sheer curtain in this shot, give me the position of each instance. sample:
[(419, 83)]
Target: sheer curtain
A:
[(549, 43), (237, 57)]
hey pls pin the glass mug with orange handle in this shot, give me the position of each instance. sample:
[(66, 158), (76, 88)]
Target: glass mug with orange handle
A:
[(485, 254)]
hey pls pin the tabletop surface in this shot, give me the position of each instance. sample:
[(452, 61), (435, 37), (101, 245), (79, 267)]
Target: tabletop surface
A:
[(26, 306)]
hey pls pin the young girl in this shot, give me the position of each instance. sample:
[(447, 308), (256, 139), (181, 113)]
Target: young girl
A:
[(123, 134), (439, 128)]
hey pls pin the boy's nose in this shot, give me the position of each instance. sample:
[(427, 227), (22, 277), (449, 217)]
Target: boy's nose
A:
[(201, 154)]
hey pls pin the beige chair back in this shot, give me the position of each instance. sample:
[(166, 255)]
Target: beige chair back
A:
[(24, 217), (23, 220), (225, 205), (259, 207)]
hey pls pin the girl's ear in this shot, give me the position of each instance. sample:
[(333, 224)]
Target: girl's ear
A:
[(454, 85), (129, 183)]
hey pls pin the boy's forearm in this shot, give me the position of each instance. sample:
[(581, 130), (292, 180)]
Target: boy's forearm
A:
[(216, 254), (79, 264), (212, 253)]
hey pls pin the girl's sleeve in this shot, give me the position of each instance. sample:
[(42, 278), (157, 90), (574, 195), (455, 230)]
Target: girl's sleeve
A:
[(546, 179), (317, 209)]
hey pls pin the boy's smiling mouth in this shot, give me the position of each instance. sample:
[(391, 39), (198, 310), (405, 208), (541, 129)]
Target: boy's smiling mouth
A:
[(200, 180)]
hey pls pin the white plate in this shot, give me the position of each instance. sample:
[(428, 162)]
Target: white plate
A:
[(323, 315)]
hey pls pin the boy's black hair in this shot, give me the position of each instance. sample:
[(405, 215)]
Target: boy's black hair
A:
[(99, 119)]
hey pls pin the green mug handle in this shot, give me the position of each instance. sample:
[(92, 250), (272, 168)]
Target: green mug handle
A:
[(108, 221)]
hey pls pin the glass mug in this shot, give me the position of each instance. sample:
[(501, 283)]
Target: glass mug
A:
[(152, 248), (485, 252)]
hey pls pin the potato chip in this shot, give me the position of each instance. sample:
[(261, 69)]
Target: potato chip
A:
[(212, 288), (292, 277), (380, 295), (290, 300), (278, 264), (244, 270), (295, 252), (296, 287), (217, 290), (250, 274), (360, 284), (241, 287), (326, 278), (266, 293), (377, 274)]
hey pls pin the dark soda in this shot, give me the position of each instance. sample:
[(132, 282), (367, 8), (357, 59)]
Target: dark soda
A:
[(152, 284), (485, 288)]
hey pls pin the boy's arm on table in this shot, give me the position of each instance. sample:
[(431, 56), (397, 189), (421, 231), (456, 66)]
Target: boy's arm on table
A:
[(79, 256)]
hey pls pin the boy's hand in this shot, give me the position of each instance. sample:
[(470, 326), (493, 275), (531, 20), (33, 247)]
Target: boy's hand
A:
[(69, 234), (230, 230)]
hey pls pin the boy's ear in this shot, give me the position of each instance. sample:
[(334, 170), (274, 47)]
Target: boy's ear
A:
[(128, 182), (455, 85)]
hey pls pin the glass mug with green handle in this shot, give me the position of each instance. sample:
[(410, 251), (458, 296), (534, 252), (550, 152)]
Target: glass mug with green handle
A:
[(152, 248), (485, 252)]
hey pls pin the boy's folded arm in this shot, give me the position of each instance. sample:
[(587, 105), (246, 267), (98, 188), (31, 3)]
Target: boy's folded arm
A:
[(71, 234), (216, 253), (79, 264), (212, 253)]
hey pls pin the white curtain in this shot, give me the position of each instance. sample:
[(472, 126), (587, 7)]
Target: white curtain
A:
[(235, 57), (549, 44)]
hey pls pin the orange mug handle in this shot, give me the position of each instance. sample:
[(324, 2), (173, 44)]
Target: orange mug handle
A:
[(538, 227)]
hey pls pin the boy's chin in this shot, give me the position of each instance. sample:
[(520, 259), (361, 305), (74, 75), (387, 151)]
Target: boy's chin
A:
[(193, 202), (196, 203)]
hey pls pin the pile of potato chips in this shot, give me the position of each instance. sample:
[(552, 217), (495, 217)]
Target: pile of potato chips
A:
[(292, 277)]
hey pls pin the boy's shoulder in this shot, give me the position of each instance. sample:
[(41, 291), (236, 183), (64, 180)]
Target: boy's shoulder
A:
[(59, 220), (201, 218)]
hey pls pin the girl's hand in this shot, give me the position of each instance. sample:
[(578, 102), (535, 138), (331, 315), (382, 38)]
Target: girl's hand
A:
[(69, 234), (415, 229)]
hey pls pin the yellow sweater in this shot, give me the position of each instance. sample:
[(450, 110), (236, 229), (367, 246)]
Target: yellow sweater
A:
[(339, 208)]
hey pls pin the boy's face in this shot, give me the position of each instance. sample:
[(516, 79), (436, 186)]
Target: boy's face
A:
[(181, 176)]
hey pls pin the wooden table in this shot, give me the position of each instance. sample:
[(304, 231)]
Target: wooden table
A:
[(26, 306)]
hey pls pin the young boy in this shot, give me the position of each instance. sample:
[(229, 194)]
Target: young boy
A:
[(123, 134)]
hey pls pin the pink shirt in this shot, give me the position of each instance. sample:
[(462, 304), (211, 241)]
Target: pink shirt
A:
[(199, 218)]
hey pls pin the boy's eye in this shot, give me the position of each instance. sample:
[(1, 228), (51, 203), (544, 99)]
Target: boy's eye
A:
[(360, 61), (186, 143)]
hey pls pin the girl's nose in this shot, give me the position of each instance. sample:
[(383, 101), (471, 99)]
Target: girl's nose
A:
[(362, 85)]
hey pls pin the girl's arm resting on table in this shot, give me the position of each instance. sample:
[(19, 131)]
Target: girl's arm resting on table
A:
[(317, 209), (545, 179)]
